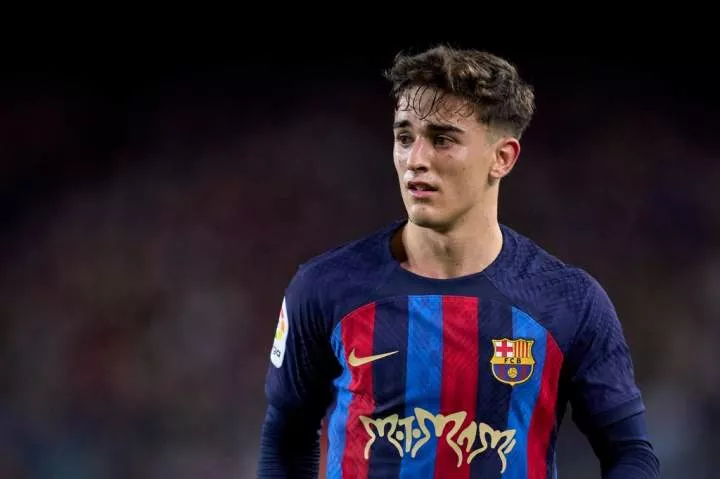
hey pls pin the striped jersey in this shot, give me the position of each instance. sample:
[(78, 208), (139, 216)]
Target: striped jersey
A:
[(466, 377)]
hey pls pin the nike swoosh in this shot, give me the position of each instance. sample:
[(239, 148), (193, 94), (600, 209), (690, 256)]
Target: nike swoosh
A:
[(355, 361)]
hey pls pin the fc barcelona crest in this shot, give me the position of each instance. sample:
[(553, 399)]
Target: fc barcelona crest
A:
[(512, 360)]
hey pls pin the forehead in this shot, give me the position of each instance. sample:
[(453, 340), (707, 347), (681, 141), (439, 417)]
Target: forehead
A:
[(422, 106)]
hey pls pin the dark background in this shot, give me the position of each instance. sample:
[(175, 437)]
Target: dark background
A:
[(156, 198)]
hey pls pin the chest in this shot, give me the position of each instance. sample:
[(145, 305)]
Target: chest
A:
[(449, 354)]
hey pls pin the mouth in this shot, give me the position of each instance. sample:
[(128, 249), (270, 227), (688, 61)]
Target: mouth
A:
[(421, 186), (419, 189)]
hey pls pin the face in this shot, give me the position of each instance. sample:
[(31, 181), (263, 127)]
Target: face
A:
[(448, 163)]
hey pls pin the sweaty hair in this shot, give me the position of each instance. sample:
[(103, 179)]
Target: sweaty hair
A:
[(492, 85)]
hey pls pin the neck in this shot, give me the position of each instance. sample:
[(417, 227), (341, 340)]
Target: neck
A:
[(469, 247)]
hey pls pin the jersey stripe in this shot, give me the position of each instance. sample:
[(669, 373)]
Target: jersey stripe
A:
[(543, 418), (357, 335), (524, 396), (391, 333), (460, 380), (493, 396), (423, 380), (339, 416)]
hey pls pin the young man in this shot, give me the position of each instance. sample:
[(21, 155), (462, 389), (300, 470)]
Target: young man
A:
[(448, 345)]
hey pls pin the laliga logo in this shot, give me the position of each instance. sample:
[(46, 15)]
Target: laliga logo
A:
[(281, 333), (282, 326)]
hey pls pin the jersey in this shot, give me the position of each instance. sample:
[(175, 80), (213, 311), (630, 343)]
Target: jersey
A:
[(466, 377)]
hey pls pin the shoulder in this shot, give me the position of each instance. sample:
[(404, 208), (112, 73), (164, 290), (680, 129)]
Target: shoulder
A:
[(529, 263), (357, 255), (342, 277), (561, 296)]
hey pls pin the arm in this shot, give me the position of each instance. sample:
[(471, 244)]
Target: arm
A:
[(289, 446), (298, 386), (624, 449), (607, 404)]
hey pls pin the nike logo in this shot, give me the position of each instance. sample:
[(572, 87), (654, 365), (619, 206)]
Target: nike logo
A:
[(355, 361)]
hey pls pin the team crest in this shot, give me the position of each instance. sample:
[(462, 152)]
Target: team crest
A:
[(512, 360)]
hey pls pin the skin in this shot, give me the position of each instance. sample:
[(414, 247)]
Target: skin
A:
[(454, 231)]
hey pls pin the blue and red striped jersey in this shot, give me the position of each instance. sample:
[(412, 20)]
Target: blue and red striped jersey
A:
[(453, 378)]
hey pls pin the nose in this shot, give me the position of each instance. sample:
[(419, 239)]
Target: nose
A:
[(419, 156)]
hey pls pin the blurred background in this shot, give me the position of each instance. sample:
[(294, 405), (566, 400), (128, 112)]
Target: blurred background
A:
[(155, 201)]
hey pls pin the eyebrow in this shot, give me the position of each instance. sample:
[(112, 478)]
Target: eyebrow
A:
[(436, 127)]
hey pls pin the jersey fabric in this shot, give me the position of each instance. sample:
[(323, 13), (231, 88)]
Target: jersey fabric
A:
[(466, 377)]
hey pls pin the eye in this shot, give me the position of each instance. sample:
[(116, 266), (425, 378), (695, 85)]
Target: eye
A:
[(403, 138), (442, 140)]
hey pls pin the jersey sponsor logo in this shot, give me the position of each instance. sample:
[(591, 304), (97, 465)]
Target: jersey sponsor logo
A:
[(281, 333), (409, 434), (356, 361), (512, 361)]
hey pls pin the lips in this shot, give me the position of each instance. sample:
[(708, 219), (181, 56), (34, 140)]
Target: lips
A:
[(420, 186), (420, 190)]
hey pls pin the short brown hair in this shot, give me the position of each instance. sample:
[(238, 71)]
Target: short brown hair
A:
[(491, 84)]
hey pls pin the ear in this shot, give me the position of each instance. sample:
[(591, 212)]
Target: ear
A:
[(506, 152)]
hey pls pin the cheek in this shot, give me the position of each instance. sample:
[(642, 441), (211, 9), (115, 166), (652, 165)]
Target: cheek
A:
[(399, 160), (466, 182)]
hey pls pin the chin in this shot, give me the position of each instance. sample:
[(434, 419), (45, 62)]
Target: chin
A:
[(427, 217)]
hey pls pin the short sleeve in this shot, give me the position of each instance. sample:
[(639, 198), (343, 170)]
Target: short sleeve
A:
[(602, 379), (299, 376)]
